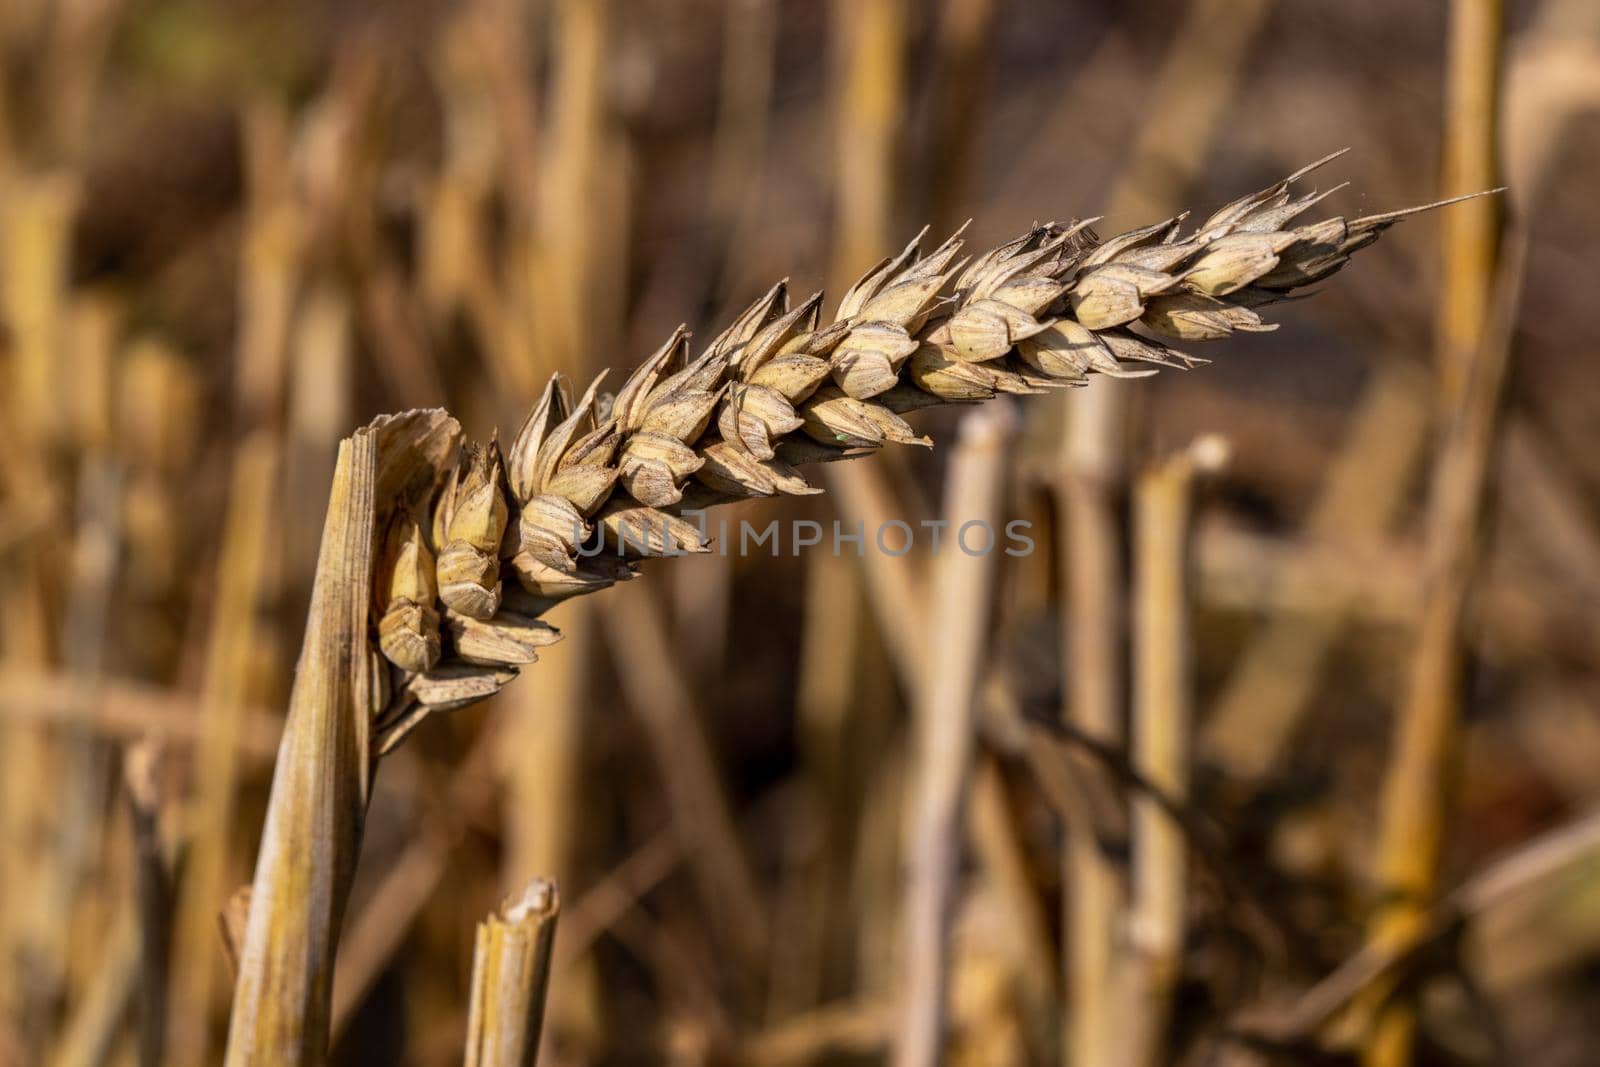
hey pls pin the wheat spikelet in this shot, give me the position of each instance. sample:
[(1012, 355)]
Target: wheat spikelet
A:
[(591, 484)]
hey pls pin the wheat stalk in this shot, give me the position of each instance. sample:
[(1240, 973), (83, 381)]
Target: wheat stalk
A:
[(510, 974), (456, 551), (460, 590), (1478, 298)]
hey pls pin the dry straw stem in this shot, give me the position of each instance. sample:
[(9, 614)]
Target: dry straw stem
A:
[(962, 53), (999, 840), (1421, 773), (320, 787), (1470, 237), (1473, 356), (35, 238), (36, 213), (1162, 717), (870, 79), (871, 85), (849, 1029), (1197, 79), (962, 599), (120, 710), (581, 256), (24, 647), (155, 859), (100, 1001), (510, 973), (739, 143), (80, 784)]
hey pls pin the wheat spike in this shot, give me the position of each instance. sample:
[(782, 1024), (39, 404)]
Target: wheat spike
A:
[(590, 485)]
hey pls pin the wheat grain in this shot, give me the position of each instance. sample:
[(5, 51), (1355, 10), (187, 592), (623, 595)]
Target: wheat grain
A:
[(591, 484)]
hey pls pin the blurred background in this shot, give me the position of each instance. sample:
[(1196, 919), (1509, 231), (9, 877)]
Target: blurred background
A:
[(1363, 726)]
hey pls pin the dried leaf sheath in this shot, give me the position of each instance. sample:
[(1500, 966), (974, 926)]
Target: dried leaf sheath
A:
[(313, 828), (320, 785)]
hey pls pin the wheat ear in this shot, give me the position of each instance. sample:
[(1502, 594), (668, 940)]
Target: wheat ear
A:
[(511, 532)]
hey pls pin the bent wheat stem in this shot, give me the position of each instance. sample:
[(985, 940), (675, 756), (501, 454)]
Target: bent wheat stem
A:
[(591, 484)]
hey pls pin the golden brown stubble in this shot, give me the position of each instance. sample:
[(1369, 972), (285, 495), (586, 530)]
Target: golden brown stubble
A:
[(1473, 335), (962, 54), (271, 255), (1469, 238), (868, 102), (1162, 720), (1552, 78), (37, 210), (1197, 79), (223, 705), (961, 600), (510, 974), (869, 80)]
